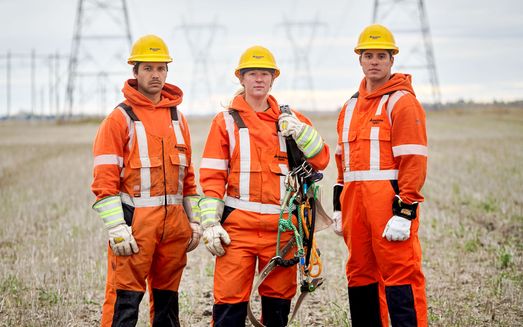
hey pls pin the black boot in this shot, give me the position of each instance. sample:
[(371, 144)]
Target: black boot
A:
[(165, 308), (364, 304), (229, 315), (126, 308), (275, 311), (400, 301)]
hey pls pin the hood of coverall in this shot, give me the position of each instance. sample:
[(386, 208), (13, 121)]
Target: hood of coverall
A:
[(396, 82), (171, 96)]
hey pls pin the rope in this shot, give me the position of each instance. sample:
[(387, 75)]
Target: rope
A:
[(315, 259)]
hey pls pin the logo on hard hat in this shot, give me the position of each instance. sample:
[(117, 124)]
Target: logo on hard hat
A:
[(257, 57), (154, 49), (375, 37)]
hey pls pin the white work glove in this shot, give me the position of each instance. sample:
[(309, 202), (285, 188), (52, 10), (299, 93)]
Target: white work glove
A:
[(397, 229), (190, 205), (290, 125), (196, 234), (121, 240), (211, 210), (213, 236), (338, 226)]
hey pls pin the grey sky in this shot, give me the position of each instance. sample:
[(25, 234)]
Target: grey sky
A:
[(477, 47)]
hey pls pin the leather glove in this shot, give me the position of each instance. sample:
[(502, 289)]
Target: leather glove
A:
[(213, 232), (121, 240), (213, 237), (290, 125), (397, 229), (190, 205), (196, 235), (121, 237), (307, 137), (338, 227)]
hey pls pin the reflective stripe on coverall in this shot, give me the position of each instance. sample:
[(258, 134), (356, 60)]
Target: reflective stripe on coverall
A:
[(382, 150), (248, 166), (148, 163)]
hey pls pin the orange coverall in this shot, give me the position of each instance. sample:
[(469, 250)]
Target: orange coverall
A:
[(147, 162), (248, 167), (382, 151)]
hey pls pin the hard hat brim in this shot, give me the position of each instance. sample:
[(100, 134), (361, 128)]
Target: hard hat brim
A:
[(360, 49), (148, 58), (238, 69)]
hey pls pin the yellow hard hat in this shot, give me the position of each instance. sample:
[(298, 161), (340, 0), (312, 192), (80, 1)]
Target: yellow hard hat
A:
[(376, 37), (257, 57), (149, 48)]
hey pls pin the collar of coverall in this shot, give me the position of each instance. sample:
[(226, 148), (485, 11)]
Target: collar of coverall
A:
[(397, 82)]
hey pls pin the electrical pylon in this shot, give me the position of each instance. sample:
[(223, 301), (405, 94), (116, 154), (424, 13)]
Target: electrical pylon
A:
[(101, 42), (200, 38), (407, 19), (301, 35)]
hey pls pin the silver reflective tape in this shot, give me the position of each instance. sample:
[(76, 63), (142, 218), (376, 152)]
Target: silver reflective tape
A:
[(370, 175), (383, 99), (283, 145), (153, 201), (143, 153), (374, 148), (351, 104), (252, 206), (407, 149), (245, 164), (108, 159), (182, 157), (392, 101), (229, 126), (211, 163), (178, 132), (130, 126), (284, 170)]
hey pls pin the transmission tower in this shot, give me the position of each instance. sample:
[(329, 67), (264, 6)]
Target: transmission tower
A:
[(101, 42), (200, 38), (301, 35), (409, 19)]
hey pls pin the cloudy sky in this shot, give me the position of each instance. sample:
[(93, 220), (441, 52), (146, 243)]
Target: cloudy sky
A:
[(477, 49)]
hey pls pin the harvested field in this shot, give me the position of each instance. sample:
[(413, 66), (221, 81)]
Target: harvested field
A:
[(53, 246)]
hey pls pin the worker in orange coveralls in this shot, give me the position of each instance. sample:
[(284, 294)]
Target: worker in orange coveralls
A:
[(242, 177), (145, 191), (382, 161)]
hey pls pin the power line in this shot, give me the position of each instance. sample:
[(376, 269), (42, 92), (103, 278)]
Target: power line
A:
[(200, 38), (301, 35), (99, 27), (409, 18)]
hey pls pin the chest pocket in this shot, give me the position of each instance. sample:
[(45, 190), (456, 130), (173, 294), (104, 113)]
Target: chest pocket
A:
[(145, 168), (348, 144), (147, 162), (179, 157), (279, 169), (379, 144)]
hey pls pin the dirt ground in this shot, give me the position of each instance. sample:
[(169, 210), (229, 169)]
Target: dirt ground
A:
[(53, 247)]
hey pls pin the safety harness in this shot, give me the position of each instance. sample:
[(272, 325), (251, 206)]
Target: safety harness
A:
[(301, 199)]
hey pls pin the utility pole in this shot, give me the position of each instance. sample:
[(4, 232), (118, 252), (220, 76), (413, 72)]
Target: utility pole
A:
[(8, 83), (200, 38), (408, 19), (301, 35), (33, 83), (101, 41)]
